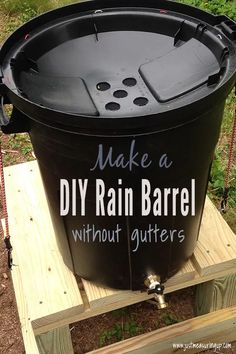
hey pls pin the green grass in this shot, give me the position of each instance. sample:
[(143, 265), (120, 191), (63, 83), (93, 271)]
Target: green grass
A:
[(227, 7), (217, 7), (119, 331), (169, 319), (218, 172), (17, 148), (17, 12), (124, 327), (219, 166), (32, 7)]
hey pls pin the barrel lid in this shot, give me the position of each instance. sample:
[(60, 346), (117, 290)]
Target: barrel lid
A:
[(119, 61)]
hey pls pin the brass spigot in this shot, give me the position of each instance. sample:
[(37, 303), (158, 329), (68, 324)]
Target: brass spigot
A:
[(155, 287)]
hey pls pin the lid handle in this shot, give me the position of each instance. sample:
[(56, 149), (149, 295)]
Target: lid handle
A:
[(16, 123), (4, 119), (227, 26)]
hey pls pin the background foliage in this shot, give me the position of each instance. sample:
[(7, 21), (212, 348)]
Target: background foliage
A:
[(217, 7)]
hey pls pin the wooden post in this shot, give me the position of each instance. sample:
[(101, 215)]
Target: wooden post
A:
[(57, 341), (216, 294), (47, 293)]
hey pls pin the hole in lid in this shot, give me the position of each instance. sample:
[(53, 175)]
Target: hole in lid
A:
[(120, 94), (130, 81), (103, 86), (112, 106), (141, 101)]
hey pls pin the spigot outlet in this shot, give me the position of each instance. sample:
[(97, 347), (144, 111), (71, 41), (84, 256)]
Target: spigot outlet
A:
[(154, 286), (161, 303)]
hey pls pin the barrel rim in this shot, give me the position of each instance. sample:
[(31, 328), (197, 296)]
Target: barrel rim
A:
[(111, 124)]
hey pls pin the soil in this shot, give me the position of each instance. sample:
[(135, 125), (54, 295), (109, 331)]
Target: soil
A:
[(132, 320), (10, 334)]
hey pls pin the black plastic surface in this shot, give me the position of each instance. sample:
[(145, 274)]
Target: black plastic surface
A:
[(60, 93), (180, 71), (112, 72), (75, 53)]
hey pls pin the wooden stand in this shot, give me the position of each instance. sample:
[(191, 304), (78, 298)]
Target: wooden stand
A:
[(49, 299)]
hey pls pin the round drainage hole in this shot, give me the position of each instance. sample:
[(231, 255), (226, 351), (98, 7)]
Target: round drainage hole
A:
[(103, 86), (112, 106), (120, 94), (130, 81), (140, 101)]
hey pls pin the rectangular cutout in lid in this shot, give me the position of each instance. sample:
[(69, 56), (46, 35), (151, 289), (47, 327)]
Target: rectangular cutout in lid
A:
[(68, 94), (180, 71)]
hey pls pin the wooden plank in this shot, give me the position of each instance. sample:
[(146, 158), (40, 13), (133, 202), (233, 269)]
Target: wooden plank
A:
[(49, 286), (45, 324), (57, 341), (219, 326), (34, 234), (216, 248), (99, 296), (187, 273), (215, 253), (25, 320), (217, 294)]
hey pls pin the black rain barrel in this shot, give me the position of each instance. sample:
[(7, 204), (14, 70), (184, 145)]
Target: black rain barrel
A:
[(123, 102)]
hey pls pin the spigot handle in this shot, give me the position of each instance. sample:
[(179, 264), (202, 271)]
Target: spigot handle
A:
[(159, 289)]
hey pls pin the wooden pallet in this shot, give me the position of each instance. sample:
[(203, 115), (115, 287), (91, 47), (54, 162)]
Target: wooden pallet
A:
[(49, 299)]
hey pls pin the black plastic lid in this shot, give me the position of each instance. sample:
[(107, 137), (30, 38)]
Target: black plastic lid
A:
[(102, 59)]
